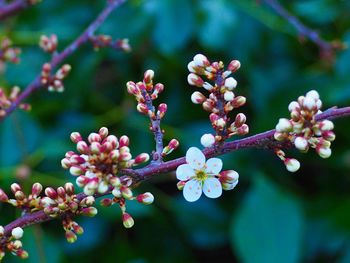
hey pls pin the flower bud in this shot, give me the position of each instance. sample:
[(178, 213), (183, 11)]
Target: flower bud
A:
[(65, 163), (201, 60), (162, 108), (239, 101), (195, 80), (243, 130), (89, 211), (106, 202), (229, 96), (69, 188), (82, 147), (126, 193), (328, 135), (71, 237), (283, 125), (88, 201), (116, 192), (76, 170), (50, 192), (180, 185), (301, 143), (326, 125), (22, 254), (124, 141), (230, 83), (2, 231), (323, 151), (208, 140), (15, 187), (103, 132), (309, 103), (197, 97), (3, 196), (292, 165), (234, 65), (17, 232), (294, 106), (75, 137), (142, 158), (148, 76), (94, 137), (240, 119), (146, 198), (313, 94), (208, 105), (102, 187)]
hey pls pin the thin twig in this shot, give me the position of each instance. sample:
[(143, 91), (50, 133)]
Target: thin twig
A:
[(258, 140), (84, 37), (13, 8), (327, 48)]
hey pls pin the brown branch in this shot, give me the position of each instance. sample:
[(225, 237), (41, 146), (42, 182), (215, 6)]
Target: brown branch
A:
[(13, 8), (84, 37), (327, 48), (154, 169)]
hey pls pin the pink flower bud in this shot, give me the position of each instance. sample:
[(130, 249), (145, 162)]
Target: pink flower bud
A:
[(146, 198), (51, 193), (197, 97), (208, 105), (82, 181), (142, 158), (279, 136), (76, 159), (95, 147), (328, 135), (76, 170), (126, 193), (132, 88), (230, 83), (65, 163), (103, 132), (148, 76), (239, 101), (113, 140), (36, 189), (124, 141), (71, 237), (19, 195), (309, 103), (88, 201), (82, 147), (234, 65), (15, 187), (195, 80), (162, 108), (180, 185), (78, 229), (208, 140), (292, 165), (284, 125), (240, 119), (107, 147), (69, 188), (324, 152), (94, 137), (294, 106), (22, 254), (115, 181), (127, 220), (75, 137), (326, 125), (243, 130), (142, 108), (89, 211), (106, 202), (47, 202), (3, 196)]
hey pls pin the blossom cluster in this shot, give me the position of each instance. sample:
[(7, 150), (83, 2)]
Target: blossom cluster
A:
[(6, 101), (199, 175), (102, 41), (12, 243), (48, 44), (54, 82), (303, 130), (221, 100), (99, 160), (145, 92), (7, 52)]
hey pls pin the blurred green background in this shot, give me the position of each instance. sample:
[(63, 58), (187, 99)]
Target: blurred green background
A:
[(271, 216)]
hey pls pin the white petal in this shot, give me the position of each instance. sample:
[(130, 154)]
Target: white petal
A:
[(214, 166), (184, 172), (195, 158), (212, 188), (192, 190)]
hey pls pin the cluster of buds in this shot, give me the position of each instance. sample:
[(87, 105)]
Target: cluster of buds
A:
[(102, 41), (303, 130), (228, 179), (6, 101), (7, 52), (59, 202), (221, 100), (48, 44), (12, 243), (99, 160), (30, 203), (145, 92), (124, 193), (54, 82)]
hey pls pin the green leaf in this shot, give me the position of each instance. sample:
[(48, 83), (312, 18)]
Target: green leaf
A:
[(173, 26), (268, 226), (220, 20)]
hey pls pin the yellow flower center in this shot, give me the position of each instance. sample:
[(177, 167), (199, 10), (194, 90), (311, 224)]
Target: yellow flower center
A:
[(201, 175)]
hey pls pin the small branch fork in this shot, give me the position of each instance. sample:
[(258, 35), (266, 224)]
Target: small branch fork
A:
[(327, 48), (13, 8), (84, 37), (261, 140)]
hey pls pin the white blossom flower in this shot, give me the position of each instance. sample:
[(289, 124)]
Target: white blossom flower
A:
[(199, 175)]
